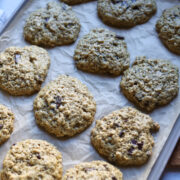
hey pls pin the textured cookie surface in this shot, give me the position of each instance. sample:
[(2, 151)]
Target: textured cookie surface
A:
[(72, 2), (32, 159), (126, 13), (150, 83), (102, 51), (52, 26), (98, 170), (64, 107), (22, 70), (124, 137), (6, 123), (168, 27)]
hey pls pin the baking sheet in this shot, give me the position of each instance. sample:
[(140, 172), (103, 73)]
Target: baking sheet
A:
[(141, 40)]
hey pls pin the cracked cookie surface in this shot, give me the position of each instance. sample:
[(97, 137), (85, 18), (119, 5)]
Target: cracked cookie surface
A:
[(102, 52), (32, 159), (150, 83), (23, 70), (126, 13), (72, 2), (52, 26), (98, 170), (6, 123), (64, 107), (168, 28), (123, 136)]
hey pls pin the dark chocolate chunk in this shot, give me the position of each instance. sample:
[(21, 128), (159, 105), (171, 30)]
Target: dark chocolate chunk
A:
[(17, 57), (1, 126), (116, 1), (116, 125), (14, 144), (121, 134), (46, 19), (133, 141), (38, 156), (58, 101), (135, 8), (130, 150), (119, 37), (114, 178), (140, 145)]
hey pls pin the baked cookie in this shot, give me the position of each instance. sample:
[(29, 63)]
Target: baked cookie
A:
[(52, 26), (102, 51), (97, 170), (22, 70), (150, 83), (123, 136), (72, 2), (32, 159), (64, 107), (6, 123), (168, 28), (126, 13)]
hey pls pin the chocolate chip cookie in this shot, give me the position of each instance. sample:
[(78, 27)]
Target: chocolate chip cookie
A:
[(72, 2), (150, 83), (22, 70), (64, 107), (52, 26), (102, 51), (123, 136), (168, 28), (97, 170), (6, 123), (126, 13), (32, 159)]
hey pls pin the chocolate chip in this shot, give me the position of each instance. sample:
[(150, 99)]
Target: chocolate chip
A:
[(116, 125), (38, 156), (46, 19), (121, 134), (17, 57), (1, 126), (119, 37), (140, 145), (58, 101), (135, 8), (116, 1), (14, 144), (130, 150), (133, 141), (114, 178)]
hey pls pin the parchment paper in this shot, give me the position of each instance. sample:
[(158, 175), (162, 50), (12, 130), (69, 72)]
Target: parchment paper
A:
[(141, 40)]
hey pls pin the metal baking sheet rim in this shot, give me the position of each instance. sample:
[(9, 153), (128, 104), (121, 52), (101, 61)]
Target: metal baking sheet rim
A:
[(169, 145)]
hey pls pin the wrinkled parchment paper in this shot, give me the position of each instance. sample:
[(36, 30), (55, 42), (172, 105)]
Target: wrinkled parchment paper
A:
[(141, 40)]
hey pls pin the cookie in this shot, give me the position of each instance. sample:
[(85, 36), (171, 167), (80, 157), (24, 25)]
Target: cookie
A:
[(150, 83), (123, 137), (64, 107), (32, 159), (52, 26), (22, 70), (6, 123), (168, 28), (97, 170), (103, 52), (126, 13), (72, 2)]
